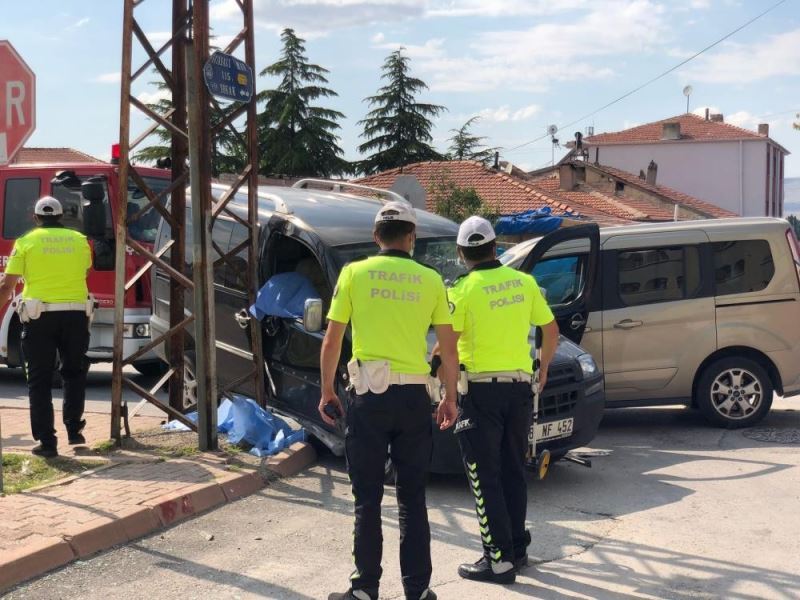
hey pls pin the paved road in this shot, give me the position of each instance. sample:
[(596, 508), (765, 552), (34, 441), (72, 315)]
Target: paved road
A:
[(14, 391), (675, 510)]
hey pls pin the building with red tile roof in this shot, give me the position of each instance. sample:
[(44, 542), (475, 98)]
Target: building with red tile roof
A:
[(728, 166), (32, 156), (581, 190)]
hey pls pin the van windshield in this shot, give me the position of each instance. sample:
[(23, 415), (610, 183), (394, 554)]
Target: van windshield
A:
[(439, 253)]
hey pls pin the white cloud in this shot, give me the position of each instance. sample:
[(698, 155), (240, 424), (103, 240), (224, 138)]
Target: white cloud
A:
[(81, 22), (378, 38), (159, 38), (429, 50), (534, 58), (484, 8), (505, 113), (743, 63), (154, 97), (322, 15), (114, 77)]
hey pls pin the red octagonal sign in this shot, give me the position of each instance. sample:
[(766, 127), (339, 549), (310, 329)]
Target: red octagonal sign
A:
[(17, 102)]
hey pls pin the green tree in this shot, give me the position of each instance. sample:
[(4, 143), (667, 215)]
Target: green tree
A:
[(464, 145), (297, 138), (457, 203), (229, 155), (795, 223), (398, 128)]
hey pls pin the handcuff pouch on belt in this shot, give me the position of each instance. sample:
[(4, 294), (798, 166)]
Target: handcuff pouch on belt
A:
[(29, 309), (369, 376)]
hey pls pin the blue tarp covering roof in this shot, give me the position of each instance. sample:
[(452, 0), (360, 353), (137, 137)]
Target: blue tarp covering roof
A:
[(540, 221), (284, 295)]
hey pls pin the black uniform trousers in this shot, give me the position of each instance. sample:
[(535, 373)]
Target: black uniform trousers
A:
[(397, 423), (492, 428), (65, 332)]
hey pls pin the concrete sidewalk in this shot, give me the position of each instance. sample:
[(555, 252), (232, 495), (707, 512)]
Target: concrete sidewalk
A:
[(16, 428), (45, 528)]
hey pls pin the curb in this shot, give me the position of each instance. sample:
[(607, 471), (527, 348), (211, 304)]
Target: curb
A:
[(47, 553)]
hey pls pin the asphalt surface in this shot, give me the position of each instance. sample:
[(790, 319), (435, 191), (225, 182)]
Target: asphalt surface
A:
[(670, 509)]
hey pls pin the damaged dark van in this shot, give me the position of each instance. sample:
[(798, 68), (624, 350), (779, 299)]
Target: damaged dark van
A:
[(313, 228)]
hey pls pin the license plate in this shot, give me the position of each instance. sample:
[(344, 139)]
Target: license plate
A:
[(554, 429)]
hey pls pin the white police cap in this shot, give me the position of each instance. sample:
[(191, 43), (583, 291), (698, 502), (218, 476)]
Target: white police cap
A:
[(48, 206), (475, 231), (396, 211)]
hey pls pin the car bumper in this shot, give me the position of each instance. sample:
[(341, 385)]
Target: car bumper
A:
[(587, 413), (101, 340)]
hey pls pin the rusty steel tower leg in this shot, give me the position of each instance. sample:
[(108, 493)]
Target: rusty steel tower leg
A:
[(179, 156), (121, 225), (252, 211), (200, 176)]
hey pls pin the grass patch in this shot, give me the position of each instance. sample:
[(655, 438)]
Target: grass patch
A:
[(23, 471), (177, 451), (105, 447)]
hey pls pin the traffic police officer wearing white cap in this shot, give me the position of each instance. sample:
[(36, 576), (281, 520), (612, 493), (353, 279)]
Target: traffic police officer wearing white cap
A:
[(54, 308), (494, 307), (391, 301)]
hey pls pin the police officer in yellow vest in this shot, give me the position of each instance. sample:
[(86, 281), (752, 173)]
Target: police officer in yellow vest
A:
[(391, 301), (493, 309), (54, 308)]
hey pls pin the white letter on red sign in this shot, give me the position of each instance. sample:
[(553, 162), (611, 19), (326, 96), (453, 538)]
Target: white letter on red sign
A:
[(15, 101)]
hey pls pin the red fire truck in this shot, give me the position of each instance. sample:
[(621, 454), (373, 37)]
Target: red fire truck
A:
[(60, 174)]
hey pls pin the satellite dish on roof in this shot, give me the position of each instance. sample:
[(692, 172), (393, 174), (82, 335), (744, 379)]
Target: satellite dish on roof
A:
[(687, 91), (551, 129)]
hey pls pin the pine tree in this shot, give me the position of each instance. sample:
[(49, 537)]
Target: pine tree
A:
[(398, 128), (466, 146), (299, 139)]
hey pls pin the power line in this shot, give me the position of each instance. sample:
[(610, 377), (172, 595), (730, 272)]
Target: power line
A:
[(657, 77)]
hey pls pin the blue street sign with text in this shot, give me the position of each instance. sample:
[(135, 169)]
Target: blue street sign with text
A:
[(228, 77)]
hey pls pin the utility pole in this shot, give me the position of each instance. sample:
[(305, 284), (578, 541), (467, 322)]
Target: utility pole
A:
[(192, 139)]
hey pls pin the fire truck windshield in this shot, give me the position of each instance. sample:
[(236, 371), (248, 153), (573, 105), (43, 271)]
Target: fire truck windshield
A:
[(72, 203), (145, 227)]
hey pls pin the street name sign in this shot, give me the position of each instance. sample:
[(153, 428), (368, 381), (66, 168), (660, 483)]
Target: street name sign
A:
[(17, 102), (228, 77)]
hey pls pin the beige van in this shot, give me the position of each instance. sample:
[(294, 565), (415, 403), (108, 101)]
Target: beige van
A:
[(705, 313)]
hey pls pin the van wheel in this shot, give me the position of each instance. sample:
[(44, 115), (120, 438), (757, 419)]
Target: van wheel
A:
[(734, 392), (189, 387)]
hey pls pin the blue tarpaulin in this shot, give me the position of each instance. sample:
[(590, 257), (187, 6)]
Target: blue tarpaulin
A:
[(540, 221), (284, 295), (242, 420)]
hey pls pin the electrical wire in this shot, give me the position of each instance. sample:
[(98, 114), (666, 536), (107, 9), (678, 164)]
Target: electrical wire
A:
[(657, 77)]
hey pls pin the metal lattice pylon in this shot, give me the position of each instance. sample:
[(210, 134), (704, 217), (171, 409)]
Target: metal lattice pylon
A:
[(188, 122)]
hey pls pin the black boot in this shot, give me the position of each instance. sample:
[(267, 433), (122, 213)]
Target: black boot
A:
[(352, 594), (76, 436), (521, 553), (483, 571), (48, 450)]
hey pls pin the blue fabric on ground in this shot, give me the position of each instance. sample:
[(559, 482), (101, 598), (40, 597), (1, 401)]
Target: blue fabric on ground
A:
[(242, 420), (284, 295)]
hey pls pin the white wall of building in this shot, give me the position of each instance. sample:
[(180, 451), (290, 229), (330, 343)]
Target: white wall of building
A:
[(729, 174)]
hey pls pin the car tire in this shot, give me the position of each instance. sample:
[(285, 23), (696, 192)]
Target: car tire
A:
[(734, 392), (151, 368)]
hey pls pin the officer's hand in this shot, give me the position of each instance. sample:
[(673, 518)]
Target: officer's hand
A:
[(333, 404), (446, 413), (542, 379)]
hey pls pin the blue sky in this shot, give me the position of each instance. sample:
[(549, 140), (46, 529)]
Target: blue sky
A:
[(520, 64)]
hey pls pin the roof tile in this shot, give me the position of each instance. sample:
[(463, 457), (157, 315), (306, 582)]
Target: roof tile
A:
[(52, 155), (693, 128)]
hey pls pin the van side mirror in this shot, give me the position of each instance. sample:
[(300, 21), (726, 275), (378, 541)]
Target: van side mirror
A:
[(312, 315), (94, 212)]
